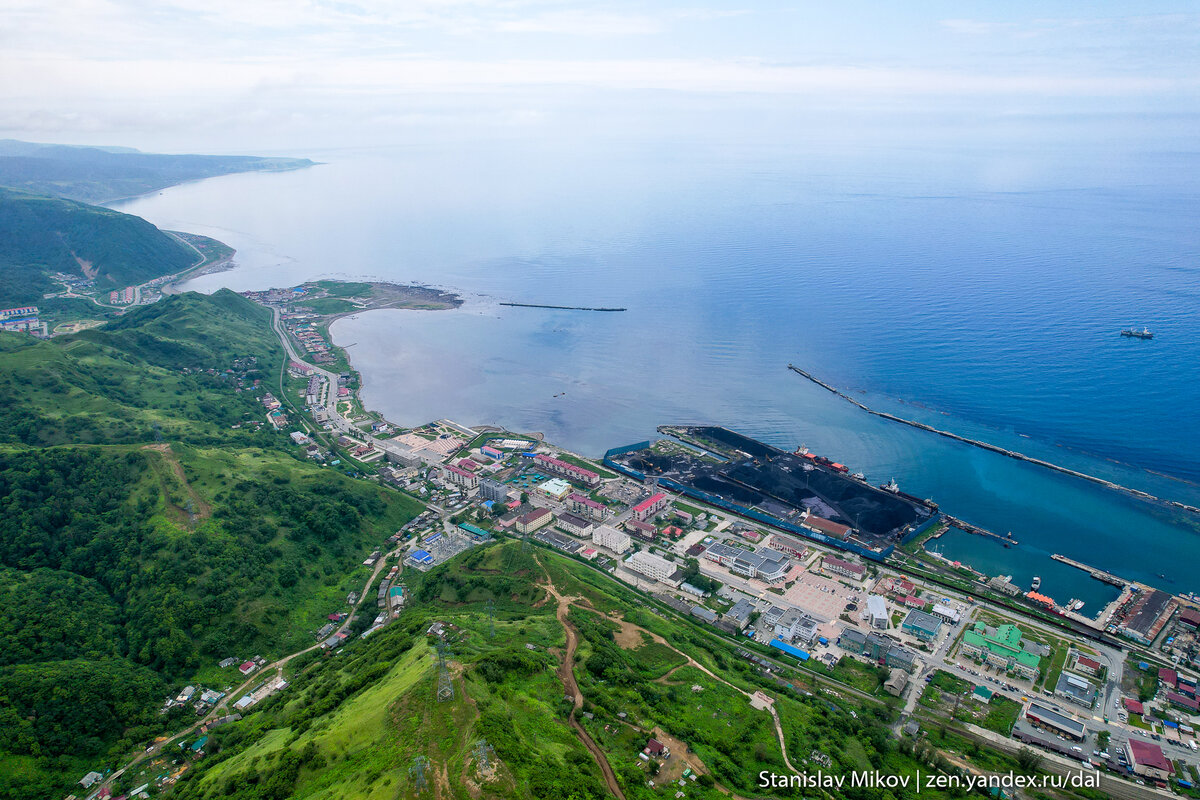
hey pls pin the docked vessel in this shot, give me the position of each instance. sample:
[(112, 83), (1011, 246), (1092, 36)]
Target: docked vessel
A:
[(1075, 605), (1144, 333)]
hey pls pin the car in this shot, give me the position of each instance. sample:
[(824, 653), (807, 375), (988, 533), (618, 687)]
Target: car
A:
[(1076, 748)]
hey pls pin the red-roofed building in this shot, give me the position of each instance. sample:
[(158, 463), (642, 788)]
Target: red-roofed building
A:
[(1133, 706), (827, 526), (642, 530), (468, 465), (1088, 666), (557, 465), (839, 567), (912, 601), (650, 506), (460, 477), (1168, 676), (586, 507), (1190, 618), (656, 749), (1148, 760), (1183, 701), (538, 518), (247, 668)]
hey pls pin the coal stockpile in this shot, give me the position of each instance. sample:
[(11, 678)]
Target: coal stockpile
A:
[(730, 441), (798, 483), (784, 485)]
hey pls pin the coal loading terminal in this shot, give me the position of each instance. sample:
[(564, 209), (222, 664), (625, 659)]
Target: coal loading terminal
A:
[(800, 488)]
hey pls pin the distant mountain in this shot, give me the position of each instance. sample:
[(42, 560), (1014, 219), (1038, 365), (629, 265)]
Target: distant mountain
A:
[(99, 174), (41, 235)]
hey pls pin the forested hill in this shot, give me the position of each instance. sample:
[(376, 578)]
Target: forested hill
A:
[(41, 235), (152, 524), (99, 174)]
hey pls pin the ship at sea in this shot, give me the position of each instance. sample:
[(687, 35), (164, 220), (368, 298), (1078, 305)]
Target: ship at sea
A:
[(1037, 583), (1144, 333)]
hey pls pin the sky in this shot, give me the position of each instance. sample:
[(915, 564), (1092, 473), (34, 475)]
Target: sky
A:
[(223, 75)]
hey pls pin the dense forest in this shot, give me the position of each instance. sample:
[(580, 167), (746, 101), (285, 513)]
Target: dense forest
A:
[(148, 530)]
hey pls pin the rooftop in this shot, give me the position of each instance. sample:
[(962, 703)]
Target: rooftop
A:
[(1148, 755)]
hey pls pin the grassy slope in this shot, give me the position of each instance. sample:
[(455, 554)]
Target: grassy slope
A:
[(41, 234), (363, 745), (218, 535), (115, 384)]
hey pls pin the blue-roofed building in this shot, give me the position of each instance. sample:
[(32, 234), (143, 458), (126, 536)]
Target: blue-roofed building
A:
[(780, 644), (421, 557)]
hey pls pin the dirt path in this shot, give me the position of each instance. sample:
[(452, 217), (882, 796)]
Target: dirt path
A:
[(566, 674), (203, 509), (691, 662)]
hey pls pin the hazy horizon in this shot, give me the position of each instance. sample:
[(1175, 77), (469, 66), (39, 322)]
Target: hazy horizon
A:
[(282, 78)]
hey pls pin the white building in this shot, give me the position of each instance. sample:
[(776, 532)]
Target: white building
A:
[(652, 566), (612, 539), (877, 609), (946, 613)]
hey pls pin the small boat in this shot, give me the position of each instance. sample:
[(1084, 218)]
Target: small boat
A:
[(1075, 605), (1144, 333), (1037, 583), (891, 486)]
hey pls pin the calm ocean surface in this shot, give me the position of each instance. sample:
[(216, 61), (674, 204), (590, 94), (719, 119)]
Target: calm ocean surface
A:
[(981, 292)]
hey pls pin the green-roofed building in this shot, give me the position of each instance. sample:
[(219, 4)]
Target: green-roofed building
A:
[(1001, 647), (982, 694)]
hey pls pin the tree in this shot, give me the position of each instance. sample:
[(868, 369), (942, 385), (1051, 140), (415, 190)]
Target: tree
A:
[(1029, 760)]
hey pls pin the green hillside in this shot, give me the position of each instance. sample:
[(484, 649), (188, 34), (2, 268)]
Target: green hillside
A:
[(100, 174), (41, 235), (142, 372), (149, 530), (351, 727)]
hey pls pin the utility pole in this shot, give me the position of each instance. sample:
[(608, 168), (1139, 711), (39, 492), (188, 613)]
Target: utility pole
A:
[(417, 773), (445, 686)]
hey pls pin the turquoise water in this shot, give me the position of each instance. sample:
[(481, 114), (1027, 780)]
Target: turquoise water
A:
[(1023, 563), (907, 277)]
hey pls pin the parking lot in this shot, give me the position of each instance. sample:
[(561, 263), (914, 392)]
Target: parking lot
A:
[(823, 598)]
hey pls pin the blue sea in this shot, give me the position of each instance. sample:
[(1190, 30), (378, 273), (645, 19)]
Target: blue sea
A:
[(981, 291)]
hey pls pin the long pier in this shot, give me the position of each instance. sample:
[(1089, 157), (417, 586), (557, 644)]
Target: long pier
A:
[(1098, 574), (1138, 493), (560, 308), (978, 531)]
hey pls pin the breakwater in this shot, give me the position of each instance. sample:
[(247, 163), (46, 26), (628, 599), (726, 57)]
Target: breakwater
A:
[(1098, 574), (1138, 493), (560, 308)]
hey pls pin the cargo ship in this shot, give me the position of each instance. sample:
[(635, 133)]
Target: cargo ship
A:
[(1144, 333)]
